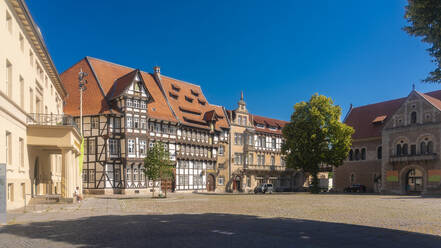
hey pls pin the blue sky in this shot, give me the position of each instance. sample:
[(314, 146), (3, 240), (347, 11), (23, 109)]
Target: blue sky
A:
[(277, 52)]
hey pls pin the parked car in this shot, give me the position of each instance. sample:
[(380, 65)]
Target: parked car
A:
[(358, 188), (264, 188)]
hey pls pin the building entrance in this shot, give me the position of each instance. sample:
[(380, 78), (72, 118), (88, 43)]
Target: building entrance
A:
[(414, 180)]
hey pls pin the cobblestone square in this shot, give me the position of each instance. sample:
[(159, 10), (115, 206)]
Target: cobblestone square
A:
[(230, 220)]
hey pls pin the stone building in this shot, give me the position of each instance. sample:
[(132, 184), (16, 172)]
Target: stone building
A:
[(255, 153), (38, 143), (396, 146), (126, 110)]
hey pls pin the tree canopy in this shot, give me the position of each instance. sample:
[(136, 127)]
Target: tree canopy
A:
[(315, 136), (157, 164), (424, 17)]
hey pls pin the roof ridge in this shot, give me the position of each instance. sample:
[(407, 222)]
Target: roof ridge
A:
[(109, 62), (396, 99), (268, 118)]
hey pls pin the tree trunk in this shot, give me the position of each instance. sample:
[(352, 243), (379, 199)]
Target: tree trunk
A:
[(153, 190), (166, 188), (315, 184)]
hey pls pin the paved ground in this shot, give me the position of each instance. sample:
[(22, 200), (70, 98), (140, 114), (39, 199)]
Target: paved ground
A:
[(200, 220)]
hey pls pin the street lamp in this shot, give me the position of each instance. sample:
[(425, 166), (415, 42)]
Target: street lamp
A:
[(82, 86)]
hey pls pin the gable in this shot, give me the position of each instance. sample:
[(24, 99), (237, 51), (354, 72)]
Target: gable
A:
[(417, 108)]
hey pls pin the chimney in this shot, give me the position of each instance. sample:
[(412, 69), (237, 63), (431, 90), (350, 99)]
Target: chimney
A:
[(157, 70)]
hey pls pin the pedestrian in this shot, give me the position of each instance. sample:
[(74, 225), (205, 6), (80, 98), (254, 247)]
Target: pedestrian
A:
[(77, 194)]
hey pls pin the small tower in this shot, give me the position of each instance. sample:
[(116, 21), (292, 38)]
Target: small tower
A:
[(242, 104)]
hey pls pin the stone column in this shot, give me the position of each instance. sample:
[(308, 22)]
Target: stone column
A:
[(66, 174)]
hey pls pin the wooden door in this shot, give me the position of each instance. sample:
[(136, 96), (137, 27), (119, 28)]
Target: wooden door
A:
[(210, 183)]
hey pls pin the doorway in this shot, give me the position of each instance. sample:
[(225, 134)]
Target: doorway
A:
[(210, 183), (236, 183), (414, 181)]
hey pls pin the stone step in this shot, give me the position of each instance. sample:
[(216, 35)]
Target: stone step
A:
[(45, 199)]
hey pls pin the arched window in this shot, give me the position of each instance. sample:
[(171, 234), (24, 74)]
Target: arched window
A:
[(413, 117), (357, 154), (430, 147), (379, 152), (413, 150), (423, 148), (404, 150), (363, 153), (398, 151), (351, 155)]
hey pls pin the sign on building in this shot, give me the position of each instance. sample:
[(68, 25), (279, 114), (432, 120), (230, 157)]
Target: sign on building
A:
[(3, 194)]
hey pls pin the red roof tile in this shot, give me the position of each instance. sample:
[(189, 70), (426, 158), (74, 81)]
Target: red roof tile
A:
[(278, 124)]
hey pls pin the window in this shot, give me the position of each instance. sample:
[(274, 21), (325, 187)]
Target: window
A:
[(135, 104), (10, 192), (172, 130), (250, 159), (221, 166), (8, 79), (260, 159), (430, 147), (238, 158), (157, 127), (21, 92), (398, 150), (117, 122), (129, 122), (9, 22), (405, 149), (245, 120), (143, 105), (52, 90), (423, 148), (129, 174), (23, 190), (413, 117), (357, 154), (143, 124), (220, 180), (238, 139), (351, 155), (21, 152), (8, 148), (136, 122), (31, 58), (239, 120), (135, 173), (379, 152), (31, 101), (113, 146), (142, 147), (273, 160), (129, 103), (91, 146), (413, 150), (221, 150), (363, 153), (131, 146), (95, 122), (21, 39)]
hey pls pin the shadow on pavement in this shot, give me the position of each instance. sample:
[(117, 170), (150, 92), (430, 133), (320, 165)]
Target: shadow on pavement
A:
[(205, 230)]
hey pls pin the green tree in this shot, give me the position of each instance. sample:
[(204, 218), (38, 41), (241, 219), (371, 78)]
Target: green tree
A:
[(157, 165), (424, 17), (315, 135)]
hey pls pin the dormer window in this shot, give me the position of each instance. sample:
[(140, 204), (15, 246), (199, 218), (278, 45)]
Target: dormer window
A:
[(201, 102), (194, 93), (175, 88), (272, 128), (174, 96), (260, 126), (188, 99)]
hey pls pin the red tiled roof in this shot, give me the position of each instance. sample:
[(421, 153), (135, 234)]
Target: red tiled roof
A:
[(279, 124), (186, 102), (106, 73), (361, 118)]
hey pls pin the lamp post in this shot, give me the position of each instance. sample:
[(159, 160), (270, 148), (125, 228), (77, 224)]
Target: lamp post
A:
[(82, 86)]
